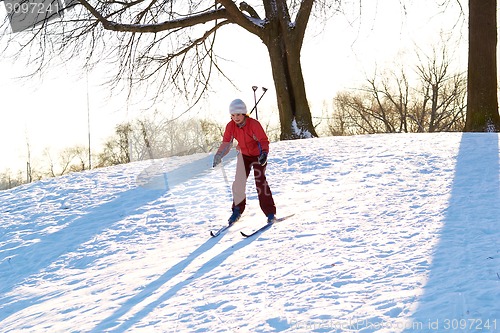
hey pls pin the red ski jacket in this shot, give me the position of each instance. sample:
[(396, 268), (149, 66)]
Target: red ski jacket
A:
[(252, 140)]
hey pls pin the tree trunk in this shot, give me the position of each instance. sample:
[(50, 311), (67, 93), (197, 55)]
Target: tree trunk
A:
[(482, 103), (283, 40), (294, 111)]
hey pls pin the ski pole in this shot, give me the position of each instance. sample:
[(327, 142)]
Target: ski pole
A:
[(228, 187), (255, 107), (254, 88)]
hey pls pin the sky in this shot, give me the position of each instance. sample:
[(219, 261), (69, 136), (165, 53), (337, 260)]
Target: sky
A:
[(390, 233), (53, 111)]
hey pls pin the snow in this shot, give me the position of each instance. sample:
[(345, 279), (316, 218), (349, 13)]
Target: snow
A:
[(391, 233), (300, 132)]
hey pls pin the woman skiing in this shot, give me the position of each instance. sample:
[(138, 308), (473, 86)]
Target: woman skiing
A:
[(253, 148)]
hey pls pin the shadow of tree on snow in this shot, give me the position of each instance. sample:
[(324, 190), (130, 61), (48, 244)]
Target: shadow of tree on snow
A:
[(469, 246)]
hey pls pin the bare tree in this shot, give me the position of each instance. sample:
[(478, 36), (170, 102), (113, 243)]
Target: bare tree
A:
[(389, 104), (116, 150), (9, 180), (70, 159), (173, 44), (29, 174), (156, 137), (443, 105), (212, 133), (381, 106)]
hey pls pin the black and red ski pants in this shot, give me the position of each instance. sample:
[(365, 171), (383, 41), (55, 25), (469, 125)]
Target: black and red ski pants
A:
[(243, 165)]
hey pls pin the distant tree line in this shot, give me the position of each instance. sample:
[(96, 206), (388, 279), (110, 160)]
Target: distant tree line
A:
[(154, 137), (392, 103), (145, 138)]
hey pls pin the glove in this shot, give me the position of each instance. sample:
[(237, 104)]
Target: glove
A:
[(263, 158), (217, 160)]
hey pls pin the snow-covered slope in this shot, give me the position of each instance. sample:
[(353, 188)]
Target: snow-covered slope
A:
[(391, 233)]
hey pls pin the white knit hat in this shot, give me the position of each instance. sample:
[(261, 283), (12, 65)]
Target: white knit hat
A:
[(237, 106)]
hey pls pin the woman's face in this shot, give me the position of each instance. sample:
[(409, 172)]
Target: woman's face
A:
[(238, 118)]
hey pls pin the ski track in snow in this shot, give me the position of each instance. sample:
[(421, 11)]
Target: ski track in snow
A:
[(391, 233)]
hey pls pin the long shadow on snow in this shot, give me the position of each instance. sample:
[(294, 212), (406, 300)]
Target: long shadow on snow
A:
[(458, 262), (112, 323), (39, 256)]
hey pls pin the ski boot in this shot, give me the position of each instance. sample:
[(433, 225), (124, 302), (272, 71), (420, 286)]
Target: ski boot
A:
[(235, 216), (271, 218)]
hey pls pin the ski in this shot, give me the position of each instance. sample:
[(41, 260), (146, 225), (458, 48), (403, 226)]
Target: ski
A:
[(221, 230), (218, 232), (267, 226)]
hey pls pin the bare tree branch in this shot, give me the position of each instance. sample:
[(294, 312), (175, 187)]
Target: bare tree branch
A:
[(154, 28)]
